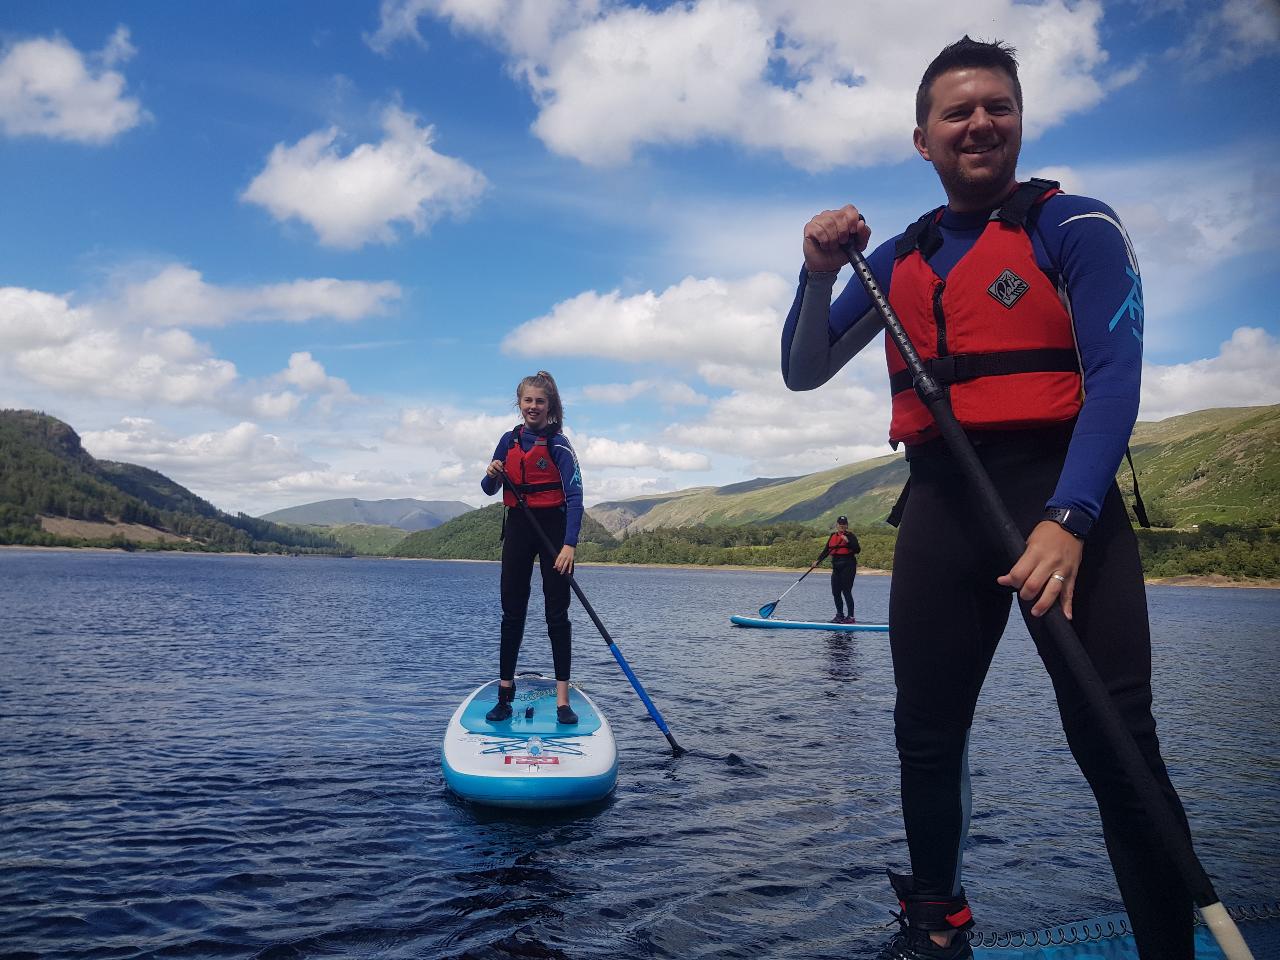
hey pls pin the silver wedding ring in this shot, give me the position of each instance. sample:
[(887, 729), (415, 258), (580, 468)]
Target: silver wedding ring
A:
[(1059, 577)]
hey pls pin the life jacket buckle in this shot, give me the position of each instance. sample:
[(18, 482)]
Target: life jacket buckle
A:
[(943, 369)]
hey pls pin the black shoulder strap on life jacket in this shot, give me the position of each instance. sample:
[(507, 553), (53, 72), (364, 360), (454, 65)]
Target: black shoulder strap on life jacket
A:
[(1015, 210), (923, 235)]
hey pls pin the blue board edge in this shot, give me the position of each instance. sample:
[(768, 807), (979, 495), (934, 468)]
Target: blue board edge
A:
[(769, 624)]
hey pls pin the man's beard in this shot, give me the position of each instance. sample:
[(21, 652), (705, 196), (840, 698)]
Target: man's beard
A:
[(985, 189)]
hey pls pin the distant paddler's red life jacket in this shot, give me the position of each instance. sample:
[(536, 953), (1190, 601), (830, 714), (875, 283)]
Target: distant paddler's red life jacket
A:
[(838, 545), (995, 331), (533, 473)]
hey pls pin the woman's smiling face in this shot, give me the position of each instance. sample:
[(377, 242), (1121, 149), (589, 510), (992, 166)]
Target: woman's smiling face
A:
[(534, 406)]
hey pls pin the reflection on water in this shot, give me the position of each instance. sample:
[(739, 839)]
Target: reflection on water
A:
[(235, 757)]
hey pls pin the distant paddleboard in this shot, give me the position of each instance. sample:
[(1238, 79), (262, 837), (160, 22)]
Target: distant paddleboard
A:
[(529, 761), (808, 625)]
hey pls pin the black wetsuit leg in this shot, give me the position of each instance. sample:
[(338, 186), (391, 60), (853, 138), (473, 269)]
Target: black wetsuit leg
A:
[(843, 570), (520, 544), (946, 617)]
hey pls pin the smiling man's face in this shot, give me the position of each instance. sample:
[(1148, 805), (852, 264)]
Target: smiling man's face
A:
[(972, 136)]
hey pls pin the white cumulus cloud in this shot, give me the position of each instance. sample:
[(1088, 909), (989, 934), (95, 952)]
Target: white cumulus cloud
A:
[(666, 393), (359, 197), (1241, 375), (691, 321), (178, 295), (48, 88), (599, 453), (822, 87), (32, 318)]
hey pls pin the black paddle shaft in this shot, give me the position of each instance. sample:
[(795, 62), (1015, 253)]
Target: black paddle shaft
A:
[(586, 605), (1164, 825)]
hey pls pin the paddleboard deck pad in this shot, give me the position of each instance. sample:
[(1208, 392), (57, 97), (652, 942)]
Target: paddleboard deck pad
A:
[(529, 761), (1109, 938), (808, 625)]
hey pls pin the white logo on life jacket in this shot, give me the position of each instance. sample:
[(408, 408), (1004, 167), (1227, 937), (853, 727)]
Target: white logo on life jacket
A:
[(1008, 288)]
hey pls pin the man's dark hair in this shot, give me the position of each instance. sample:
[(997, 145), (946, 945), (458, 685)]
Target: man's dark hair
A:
[(967, 53)]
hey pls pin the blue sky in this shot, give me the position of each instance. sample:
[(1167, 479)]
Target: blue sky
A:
[(292, 251)]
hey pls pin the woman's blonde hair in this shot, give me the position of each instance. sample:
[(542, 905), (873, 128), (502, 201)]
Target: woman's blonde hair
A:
[(547, 384)]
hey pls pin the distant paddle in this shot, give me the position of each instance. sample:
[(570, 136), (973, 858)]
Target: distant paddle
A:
[(676, 749), (767, 610), (1160, 817)]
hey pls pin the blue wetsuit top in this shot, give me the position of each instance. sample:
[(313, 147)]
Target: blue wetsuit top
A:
[(1081, 246), (566, 462)]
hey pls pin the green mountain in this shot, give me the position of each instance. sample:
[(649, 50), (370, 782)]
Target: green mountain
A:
[(53, 493), (366, 539), (477, 536), (405, 513), (1212, 466)]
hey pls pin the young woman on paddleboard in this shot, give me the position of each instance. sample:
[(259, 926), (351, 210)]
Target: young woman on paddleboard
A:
[(538, 462)]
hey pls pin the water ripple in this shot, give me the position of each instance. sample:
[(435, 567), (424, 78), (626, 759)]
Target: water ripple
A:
[(239, 757)]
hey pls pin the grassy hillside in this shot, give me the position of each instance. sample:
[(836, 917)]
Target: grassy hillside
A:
[(45, 475), (477, 536), (366, 539), (1213, 466)]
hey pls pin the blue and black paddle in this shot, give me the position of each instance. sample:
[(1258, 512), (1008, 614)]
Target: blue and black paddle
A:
[(1163, 823), (767, 610), (676, 749)]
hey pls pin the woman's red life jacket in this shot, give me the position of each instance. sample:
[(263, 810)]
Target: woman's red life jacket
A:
[(838, 545), (995, 331), (533, 472)]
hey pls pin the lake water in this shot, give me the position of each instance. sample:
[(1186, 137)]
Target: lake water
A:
[(212, 756)]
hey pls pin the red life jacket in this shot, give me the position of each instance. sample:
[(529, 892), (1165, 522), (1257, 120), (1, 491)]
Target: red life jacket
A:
[(995, 330), (838, 545), (533, 473)]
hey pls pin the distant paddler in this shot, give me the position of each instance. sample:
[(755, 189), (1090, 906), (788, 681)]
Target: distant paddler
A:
[(843, 549)]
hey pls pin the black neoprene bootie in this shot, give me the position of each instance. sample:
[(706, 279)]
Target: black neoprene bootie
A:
[(565, 714), (921, 914), (502, 709)]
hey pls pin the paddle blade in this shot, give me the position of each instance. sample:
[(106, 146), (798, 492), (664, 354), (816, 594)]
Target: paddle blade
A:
[(767, 610)]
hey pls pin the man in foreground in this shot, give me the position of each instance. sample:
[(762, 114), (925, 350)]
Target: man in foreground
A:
[(1027, 302)]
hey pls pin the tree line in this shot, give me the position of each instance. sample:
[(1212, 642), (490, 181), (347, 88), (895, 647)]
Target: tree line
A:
[(1237, 553)]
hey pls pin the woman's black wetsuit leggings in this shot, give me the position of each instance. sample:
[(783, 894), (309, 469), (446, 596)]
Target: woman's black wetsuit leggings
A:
[(946, 615), (843, 570), (520, 545)]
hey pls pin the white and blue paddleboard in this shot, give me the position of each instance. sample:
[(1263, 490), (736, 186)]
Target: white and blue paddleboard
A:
[(808, 625), (529, 761)]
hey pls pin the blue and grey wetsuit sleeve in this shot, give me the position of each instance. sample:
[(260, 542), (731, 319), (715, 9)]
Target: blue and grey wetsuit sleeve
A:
[(819, 337), (1104, 293), (571, 480), (491, 485)]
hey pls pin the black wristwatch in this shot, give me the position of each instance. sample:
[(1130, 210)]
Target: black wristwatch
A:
[(1075, 522)]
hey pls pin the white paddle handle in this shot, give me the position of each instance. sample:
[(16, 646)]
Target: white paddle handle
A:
[(1226, 932)]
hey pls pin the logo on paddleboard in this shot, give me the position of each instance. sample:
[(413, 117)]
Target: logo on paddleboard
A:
[(1008, 288), (526, 761)]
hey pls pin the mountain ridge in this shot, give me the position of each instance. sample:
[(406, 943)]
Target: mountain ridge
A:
[(404, 513), (1210, 466)]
